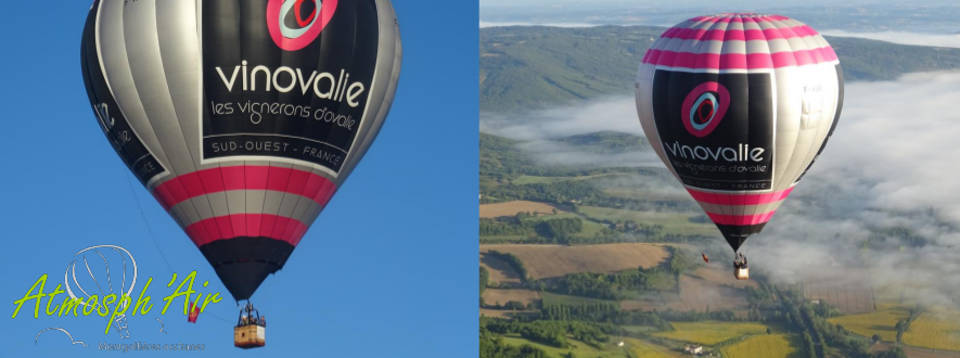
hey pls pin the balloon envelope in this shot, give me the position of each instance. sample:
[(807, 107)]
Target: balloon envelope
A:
[(242, 117), (738, 106)]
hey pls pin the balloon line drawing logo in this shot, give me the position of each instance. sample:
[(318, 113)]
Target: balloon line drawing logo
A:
[(294, 24), (110, 255), (704, 107), (36, 339)]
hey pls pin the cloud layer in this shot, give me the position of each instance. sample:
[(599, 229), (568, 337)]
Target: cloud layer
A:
[(485, 24), (540, 130), (893, 162), (905, 38)]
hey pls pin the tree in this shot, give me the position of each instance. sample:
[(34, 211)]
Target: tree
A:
[(514, 306), (513, 261), (484, 278), (808, 345), (680, 261), (896, 352)]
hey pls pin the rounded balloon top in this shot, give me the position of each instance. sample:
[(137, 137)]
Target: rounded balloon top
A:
[(737, 16), (739, 42)]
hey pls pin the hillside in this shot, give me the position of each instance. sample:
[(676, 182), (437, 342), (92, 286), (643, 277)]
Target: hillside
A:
[(607, 142), (535, 66)]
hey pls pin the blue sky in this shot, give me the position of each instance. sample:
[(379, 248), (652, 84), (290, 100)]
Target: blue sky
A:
[(388, 269)]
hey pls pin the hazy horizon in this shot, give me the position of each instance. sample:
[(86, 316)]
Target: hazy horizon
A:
[(938, 17)]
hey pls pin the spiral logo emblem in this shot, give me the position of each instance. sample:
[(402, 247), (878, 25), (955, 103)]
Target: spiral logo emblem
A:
[(704, 108), (294, 24)]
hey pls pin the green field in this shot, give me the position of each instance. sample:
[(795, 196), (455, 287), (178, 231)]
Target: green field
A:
[(672, 222), (711, 332), (589, 230), (765, 345), (935, 329), (880, 322), (578, 348), (531, 179), (555, 299), (642, 349), (639, 348), (648, 193), (592, 216), (503, 239), (660, 281), (633, 329)]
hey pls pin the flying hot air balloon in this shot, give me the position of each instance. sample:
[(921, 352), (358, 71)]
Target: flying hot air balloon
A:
[(242, 117), (738, 107)]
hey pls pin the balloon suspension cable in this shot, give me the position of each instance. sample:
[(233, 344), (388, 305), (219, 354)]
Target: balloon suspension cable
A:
[(740, 259), (146, 223), (156, 244), (249, 315)]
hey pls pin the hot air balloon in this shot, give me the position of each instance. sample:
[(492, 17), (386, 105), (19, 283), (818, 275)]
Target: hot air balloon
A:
[(242, 117), (738, 107)]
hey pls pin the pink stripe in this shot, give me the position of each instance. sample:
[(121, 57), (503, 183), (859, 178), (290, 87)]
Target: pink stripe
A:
[(739, 61), (739, 18), (738, 199), (246, 225), (741, 220), (244, 177), (738, 35)]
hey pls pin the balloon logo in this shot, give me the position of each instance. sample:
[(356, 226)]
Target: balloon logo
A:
[(294, 24), (704, 108)]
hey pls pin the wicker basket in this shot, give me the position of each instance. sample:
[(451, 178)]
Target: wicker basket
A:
[(742, 273), (249, 336)]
